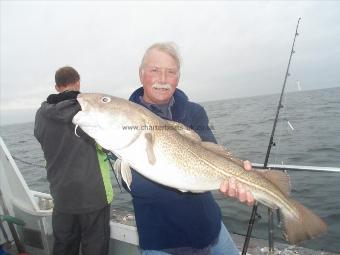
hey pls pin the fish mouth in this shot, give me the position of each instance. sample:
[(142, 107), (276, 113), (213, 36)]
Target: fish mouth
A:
[(83, 119), (78, 117), (81, 102)]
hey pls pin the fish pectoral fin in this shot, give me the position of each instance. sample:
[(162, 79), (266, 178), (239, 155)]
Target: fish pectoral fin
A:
[(126, 173), (117, 168), (221, 151), (149, 148), (184, 131), (279, 178)]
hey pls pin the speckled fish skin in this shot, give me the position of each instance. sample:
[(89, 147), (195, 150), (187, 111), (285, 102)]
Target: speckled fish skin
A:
[(173, 155)]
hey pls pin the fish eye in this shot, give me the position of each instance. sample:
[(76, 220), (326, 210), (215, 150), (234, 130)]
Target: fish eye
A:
[(105, 99)]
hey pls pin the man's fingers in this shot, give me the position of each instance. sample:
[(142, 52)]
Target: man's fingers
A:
[(250, 199), (224, 186), (232, 187), (247, 165), (241, 193)]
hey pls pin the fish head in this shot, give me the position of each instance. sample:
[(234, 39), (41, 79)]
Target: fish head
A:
[(111, 121)]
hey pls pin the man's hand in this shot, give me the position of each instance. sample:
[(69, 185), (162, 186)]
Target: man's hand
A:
[(232, 188)]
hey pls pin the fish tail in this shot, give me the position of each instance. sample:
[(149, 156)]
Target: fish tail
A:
[(306, 225)]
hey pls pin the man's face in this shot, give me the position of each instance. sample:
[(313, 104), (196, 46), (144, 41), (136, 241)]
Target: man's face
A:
[(159, 76)]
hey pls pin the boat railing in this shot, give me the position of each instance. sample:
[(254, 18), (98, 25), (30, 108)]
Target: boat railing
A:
[(297, 168)]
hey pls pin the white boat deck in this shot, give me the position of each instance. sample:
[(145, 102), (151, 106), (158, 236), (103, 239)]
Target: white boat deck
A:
[(123, 229)]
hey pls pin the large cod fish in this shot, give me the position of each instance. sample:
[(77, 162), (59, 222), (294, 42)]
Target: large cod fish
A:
[(173, 155)]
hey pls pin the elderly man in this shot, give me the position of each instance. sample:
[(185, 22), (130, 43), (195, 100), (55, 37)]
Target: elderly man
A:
[(168, 221)]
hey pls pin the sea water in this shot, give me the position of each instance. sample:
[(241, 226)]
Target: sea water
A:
[(307, 133)]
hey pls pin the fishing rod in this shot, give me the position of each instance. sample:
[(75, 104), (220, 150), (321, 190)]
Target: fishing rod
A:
[(271, 143)]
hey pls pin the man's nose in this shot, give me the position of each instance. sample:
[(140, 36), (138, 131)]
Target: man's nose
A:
[(162, 77)]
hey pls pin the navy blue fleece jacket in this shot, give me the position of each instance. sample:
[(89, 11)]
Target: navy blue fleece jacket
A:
[(167, 218)]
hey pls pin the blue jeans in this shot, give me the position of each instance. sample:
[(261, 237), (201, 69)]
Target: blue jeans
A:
[(224, 245)]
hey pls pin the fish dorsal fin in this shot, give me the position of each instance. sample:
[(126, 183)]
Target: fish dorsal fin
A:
[(221, 151), (279, 178), (184, 131), (216, 148), (149, 148)]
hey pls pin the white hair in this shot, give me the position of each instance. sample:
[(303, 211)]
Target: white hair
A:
[(168, 47)]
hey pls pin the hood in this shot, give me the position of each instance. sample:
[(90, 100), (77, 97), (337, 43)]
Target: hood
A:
[(61, 107)]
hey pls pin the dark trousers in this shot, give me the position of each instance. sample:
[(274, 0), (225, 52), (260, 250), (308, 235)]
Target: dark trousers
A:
[(91, 231)]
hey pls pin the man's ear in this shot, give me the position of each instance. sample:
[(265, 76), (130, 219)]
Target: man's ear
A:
[(77, 86), (57, 88), (141, 71)]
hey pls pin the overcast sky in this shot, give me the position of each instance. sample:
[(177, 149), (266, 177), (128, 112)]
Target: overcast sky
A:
[(229, 48)]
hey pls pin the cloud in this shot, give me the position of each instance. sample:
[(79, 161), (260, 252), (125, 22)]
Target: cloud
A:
[(229, 49)]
